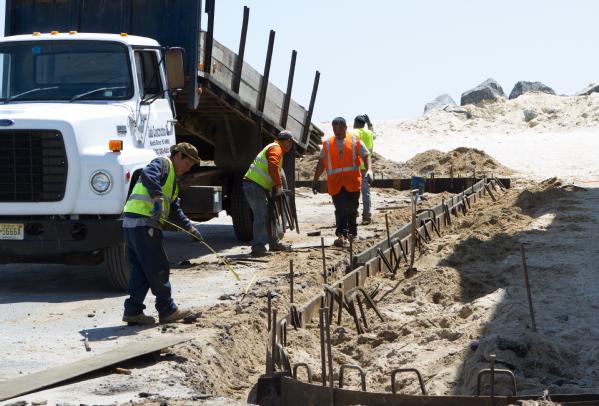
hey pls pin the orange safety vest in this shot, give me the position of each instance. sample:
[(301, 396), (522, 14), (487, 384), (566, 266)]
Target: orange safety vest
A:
[(343, 171)]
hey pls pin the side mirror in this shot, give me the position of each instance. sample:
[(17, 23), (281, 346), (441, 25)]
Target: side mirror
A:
[(175, 73)]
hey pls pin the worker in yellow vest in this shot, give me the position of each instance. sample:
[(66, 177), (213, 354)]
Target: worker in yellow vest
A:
[(262, 177), (367, 137), (153, 199)]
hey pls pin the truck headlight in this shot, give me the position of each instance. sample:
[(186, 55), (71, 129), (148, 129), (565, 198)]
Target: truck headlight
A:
[(100, 182)]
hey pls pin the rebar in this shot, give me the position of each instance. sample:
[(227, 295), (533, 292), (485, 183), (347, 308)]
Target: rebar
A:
[(323, 364), (291, 281), (329, 350), (528, 291), (324, 260)]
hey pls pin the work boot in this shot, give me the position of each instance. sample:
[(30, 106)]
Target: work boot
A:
[(138, 319), (366, 219), (279, 246), (341, 241), (259, 252), (177, 315)]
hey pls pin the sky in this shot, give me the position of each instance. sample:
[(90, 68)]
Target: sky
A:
[(389, 58)]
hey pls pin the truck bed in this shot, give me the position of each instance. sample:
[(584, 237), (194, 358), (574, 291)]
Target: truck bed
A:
[(218, 97)]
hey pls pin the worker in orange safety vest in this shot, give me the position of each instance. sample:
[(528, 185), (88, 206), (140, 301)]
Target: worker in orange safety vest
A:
[(341, 156)]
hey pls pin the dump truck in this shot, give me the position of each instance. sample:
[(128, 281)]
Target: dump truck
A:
[(92, 91)]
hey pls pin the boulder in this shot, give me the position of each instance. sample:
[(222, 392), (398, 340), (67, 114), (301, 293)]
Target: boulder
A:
[(524, 87), (439, 103), (488, 90), (592, 88), (529, 114)]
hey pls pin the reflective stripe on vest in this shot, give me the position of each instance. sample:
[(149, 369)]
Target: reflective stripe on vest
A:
[(258, 170), (140, 202), (340, 172)]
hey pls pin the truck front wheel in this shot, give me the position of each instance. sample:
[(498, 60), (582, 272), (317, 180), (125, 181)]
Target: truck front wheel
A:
[(241, 213), (117, 265)]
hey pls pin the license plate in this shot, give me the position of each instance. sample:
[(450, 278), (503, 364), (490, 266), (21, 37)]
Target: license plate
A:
[(12, 232)]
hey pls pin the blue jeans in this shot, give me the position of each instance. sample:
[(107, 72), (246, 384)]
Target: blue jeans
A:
[(256, 198), (365, 197), (149, 270)]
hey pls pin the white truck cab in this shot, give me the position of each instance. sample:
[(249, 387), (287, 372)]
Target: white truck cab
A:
[(80, 116)]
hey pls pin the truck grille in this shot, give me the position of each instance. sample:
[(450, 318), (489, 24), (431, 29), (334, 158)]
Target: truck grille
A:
[(33, 166)]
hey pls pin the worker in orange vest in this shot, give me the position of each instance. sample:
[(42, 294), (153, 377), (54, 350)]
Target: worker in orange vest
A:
[(341, 156)]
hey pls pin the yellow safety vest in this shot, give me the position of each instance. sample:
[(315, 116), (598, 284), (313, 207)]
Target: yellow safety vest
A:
[(140, 202), (258, 171), (367, 138)]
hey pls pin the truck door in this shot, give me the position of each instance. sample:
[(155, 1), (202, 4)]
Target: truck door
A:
[(158, 128)]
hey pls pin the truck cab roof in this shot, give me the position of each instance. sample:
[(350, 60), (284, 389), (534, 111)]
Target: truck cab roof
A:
[(124, 38)]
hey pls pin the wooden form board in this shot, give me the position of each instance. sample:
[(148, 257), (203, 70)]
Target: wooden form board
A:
[(39, 380), (432, 185)]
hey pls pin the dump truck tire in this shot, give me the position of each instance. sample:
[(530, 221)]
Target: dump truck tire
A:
[(117, 266), (241, 213)]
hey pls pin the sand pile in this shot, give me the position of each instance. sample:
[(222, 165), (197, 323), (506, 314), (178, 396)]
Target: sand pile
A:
[(305, 165), (544, 193), (538, 111), (462, 161)]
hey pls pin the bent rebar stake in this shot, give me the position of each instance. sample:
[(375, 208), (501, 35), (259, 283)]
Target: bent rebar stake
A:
[(411, 271), (406, 370), (323, 362), (528, 291)]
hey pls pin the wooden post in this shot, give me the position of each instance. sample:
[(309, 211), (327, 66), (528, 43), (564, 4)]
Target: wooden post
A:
[(311, 108), (287, 101), (264, 84), (239, 61), (210, 5)]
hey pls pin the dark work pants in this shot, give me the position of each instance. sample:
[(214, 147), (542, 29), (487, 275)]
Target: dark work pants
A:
[(149, 270), (346, 211)]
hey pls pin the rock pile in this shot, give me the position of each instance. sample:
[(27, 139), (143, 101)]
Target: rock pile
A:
[(489, 90), (525, 87), (440, 102)]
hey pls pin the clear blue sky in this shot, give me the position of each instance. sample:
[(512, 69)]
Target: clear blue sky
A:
[(388, 58)]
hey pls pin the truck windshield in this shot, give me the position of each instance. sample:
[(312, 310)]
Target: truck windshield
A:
[(64, 70)]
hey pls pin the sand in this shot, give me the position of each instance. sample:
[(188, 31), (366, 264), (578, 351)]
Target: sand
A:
[(468, 302), (563, 143), (305, 166), (459, 162)]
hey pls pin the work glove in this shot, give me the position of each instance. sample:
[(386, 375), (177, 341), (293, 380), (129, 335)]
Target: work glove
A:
[(157, 209), (197, 236), (369, 176), (277, 191), (315, 187)]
